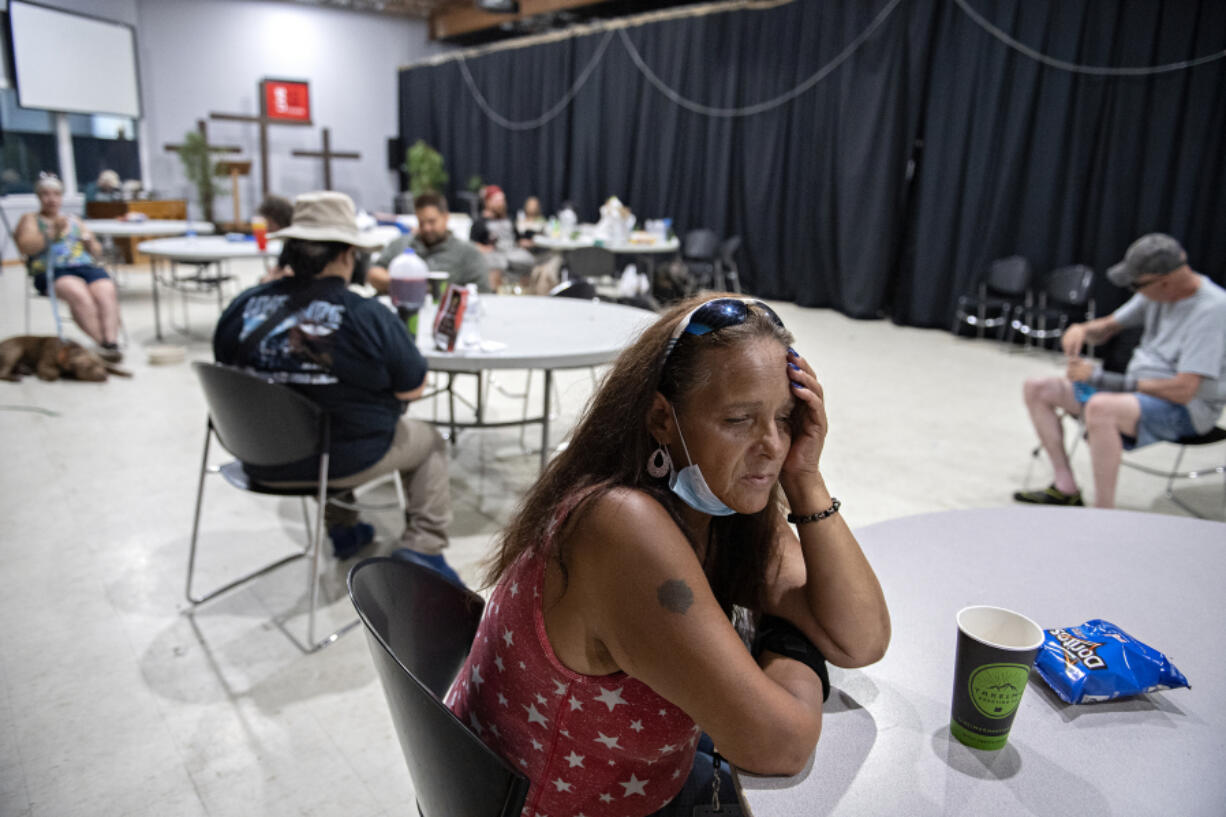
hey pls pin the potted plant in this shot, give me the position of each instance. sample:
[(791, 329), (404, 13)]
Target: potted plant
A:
[(201, 171), (427, 173)]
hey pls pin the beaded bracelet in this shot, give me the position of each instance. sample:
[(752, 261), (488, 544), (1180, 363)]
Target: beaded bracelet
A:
[(816, 517)]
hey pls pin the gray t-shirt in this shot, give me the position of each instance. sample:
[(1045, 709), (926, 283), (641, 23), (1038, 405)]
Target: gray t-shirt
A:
[(1184, 336), (462, 260)]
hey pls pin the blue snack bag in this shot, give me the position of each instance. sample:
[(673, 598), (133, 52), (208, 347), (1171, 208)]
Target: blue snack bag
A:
[(1098, 661)]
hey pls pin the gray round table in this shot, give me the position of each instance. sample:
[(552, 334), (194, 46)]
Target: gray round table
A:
[(154, 227), (535, 332), (885, 746)]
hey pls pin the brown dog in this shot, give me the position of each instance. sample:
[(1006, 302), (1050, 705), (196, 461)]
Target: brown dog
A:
[(49, 357)]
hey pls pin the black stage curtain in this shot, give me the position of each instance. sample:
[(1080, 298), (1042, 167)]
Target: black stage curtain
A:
[(1064, 167), (886, 187)]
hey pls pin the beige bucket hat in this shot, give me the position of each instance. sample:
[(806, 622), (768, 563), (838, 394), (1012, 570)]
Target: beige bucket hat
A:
[(326, 216)]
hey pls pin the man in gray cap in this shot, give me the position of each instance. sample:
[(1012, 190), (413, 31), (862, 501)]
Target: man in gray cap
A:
[(1175, 384)]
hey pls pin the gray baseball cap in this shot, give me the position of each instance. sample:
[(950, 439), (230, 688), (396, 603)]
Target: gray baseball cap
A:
[(1153, 254)]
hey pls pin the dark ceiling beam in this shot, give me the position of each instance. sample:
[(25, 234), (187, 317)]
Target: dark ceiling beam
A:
[(456, 20)]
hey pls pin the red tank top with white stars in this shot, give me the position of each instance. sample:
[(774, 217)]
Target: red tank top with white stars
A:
[(591, 745)]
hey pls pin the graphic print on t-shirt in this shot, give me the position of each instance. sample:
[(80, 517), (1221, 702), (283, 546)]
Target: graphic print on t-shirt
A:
[(300, 348)]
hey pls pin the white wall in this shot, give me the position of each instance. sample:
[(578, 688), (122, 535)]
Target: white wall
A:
[(198, 56)]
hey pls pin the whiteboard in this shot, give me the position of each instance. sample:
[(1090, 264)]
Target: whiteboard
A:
[(69, 62)]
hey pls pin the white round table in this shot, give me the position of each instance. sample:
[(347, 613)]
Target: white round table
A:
[(115, 227), (885, 746), (535, 332), (655, 247), (201, 251)]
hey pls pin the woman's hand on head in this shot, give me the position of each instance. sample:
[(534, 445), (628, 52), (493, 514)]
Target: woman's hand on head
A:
[(809, 425)]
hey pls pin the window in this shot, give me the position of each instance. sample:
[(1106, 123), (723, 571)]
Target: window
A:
[(27, 145), (101, 142)]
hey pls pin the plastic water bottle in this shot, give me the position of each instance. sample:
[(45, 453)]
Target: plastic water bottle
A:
[(470, 327), (408, 277)]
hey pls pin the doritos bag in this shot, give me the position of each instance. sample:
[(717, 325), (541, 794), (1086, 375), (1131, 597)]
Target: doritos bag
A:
[(1098, 661)]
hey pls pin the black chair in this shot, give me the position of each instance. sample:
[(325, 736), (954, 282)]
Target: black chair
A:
[(1212, 437), (1065, 296), (992, 306), (700, 252), (265, 423), (419, 628), (727, 273), (590, 263)]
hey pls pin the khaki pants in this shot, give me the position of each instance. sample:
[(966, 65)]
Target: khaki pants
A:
[(419, 453)]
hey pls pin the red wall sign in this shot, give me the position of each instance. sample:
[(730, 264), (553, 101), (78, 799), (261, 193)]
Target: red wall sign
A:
[(287, 99)]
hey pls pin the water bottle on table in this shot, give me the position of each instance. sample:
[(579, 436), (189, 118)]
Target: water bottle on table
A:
[(408, 276)]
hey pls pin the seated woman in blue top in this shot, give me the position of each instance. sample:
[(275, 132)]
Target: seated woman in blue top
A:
[(353, 357), (80, 281)]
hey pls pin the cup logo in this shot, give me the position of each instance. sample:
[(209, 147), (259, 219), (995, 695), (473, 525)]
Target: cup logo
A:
[(996, 689)]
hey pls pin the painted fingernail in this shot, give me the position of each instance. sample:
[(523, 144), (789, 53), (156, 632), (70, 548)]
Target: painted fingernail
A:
[(795, 385), (792, 352), (792, 365)]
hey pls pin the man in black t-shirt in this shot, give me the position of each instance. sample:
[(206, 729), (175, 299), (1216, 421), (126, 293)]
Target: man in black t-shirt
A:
[(353, 357)]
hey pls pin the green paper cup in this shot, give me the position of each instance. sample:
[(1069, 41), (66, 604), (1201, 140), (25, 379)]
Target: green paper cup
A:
[(996, 648)]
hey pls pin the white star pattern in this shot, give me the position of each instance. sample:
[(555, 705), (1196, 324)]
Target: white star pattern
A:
[(522, 665), (508, 637), (562, 785), (633, 786), (611, 697), (476, 724), (535, 716), (514, 589), (502, 699), (537, 745), (608, 741), (575, 703), (662, 712), (494, 730), (559, 688), (612, 763), (574, 759), (498, 663), (676, 773), (606, 798), (541, 699), (523, 762), (565, 733), (477, 680), (637, 726), (667, 749)]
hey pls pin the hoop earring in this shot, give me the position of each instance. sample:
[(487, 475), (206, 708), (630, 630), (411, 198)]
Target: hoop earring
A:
[(659, 463)]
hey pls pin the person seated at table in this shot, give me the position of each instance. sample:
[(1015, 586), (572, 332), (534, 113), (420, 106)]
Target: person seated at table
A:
[(352, 356), (530, 220), (610, 641), (510, 249), (278, 213), (1175, 383), (80, 281), (441, 250), (106, 188)]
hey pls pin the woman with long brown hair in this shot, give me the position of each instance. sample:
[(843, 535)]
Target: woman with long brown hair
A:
[(608, 645)]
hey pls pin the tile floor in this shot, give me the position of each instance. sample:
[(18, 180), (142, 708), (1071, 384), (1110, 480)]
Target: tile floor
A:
[(114, 701)]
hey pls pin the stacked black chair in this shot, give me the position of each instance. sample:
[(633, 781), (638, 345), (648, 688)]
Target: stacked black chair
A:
[(1006, 288), (700, 252), (1063, 299), (728, 273), (419, 628)]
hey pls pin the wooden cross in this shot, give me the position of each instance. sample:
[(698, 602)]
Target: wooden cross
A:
[(327, 154), (263, 120), (204, 133)]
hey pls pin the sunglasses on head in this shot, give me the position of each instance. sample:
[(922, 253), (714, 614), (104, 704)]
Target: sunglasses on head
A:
[(715, 315)]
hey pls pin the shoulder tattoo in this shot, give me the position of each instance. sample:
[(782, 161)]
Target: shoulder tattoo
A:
[(675, 596)]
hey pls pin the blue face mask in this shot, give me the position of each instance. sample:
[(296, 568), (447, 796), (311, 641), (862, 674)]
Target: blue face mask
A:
[(688, 483)]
